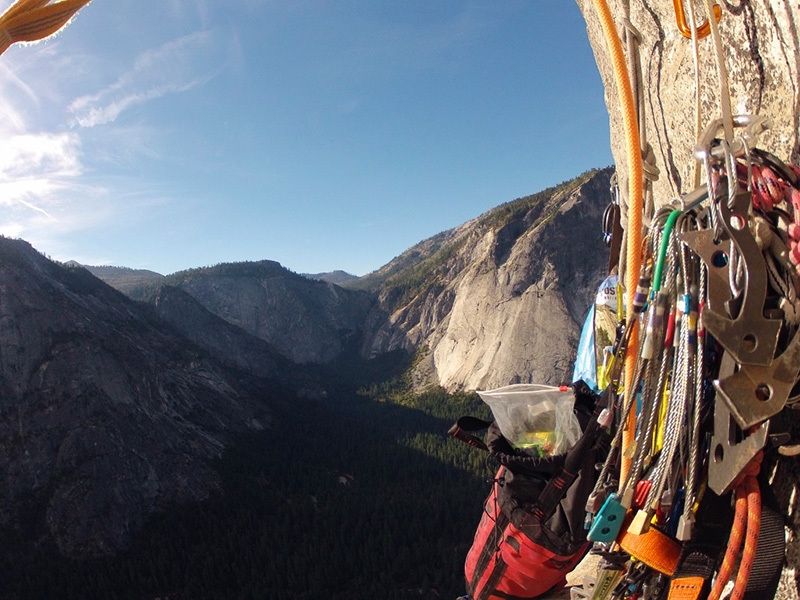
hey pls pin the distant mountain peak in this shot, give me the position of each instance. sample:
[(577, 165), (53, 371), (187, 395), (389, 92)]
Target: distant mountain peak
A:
[(338, 277), (499, 299), (123, 279)]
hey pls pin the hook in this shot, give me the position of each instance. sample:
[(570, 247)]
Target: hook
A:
[(702, 30)]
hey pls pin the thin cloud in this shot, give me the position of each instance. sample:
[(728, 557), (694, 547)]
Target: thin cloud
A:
[(50, 188), (172, 68), (34, 169), (43, 194), (54, 154)]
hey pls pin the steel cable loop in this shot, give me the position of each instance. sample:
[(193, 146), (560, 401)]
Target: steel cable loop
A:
[(613, 385), (640, 366), (676, 400), (665, 396), (616, 444), (650, 394), (654, 357), (694, 446), (646, 437)]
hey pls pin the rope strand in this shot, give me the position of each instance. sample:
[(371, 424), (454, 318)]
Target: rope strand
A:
[(635, 203)]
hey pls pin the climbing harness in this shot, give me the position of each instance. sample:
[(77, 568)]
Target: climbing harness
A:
[(707, 358)]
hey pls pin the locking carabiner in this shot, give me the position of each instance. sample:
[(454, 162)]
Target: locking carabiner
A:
[(702, 30)]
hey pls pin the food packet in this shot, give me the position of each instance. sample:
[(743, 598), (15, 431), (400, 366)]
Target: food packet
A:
[(537, 419)]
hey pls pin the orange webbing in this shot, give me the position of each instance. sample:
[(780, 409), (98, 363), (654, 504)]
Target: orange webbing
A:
[(630, 124), (686, 588), (655, 549), (31, 20)]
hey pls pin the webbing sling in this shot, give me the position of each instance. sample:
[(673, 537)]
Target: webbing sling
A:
[(31, 20), (701, 554), (654, 548)]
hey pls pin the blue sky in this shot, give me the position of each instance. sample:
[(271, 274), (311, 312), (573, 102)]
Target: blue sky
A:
[(324, 135)]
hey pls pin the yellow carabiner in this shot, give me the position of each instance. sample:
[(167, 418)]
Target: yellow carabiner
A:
[(702, 30)]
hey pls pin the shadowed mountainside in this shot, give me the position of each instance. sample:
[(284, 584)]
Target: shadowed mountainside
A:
[(106, 414), (307, 321)]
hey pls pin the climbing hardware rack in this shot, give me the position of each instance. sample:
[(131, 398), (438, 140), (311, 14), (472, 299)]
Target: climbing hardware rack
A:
[(706, 361)]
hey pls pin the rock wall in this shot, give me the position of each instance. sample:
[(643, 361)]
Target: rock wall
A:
[(306, 321), (762, 59), (507, 300)]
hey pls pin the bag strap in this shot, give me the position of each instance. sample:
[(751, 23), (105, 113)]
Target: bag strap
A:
[(557, 486), (463, 428), (700, 555)]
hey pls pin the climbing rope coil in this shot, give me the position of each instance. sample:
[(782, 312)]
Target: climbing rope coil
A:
[(706, 358)]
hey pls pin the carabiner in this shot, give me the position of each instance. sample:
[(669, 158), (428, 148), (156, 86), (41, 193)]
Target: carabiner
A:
[(702, 30)]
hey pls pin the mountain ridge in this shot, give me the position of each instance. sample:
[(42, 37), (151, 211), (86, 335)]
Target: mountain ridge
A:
[(98, 387), (448, 301), (438, 296)]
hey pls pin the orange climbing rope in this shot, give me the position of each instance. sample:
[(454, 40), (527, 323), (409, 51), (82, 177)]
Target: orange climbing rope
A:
[(635, 207), (746, 525)]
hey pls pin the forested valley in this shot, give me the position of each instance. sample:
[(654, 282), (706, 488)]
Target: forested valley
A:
[(358, 495)]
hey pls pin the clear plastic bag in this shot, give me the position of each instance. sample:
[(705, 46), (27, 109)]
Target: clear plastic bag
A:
[(537, 419)]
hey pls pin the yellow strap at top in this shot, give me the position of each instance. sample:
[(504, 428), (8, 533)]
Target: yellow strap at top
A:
[(32, 20)]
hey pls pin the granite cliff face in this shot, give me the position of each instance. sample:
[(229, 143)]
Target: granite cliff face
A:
[(761, 50), (500, 299), (105, 415)]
